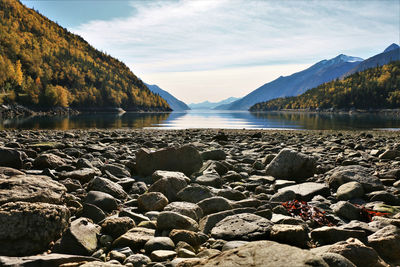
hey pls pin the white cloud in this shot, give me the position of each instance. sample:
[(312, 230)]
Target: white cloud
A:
[(222, 36)]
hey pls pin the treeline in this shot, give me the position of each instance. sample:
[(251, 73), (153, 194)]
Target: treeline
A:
[(374, 88), (42, 64)]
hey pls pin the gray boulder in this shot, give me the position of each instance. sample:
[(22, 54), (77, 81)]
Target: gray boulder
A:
[(294, 235), (184, 159), (28, 228), (349, 191), (11, 158), (231, 194), (80, 238), (209, 179), (53, 259), (346, 210), (119, 171), (83, 175), (192, 238), (157, 175), (353, 173), (336, 260), (263, 254), (194, 193), (116, 227), (169, 187), (92, 212), (152, 201), (355, 251), (49, 160), (135, 238), (159, 243), (390, 154), (31, 188), (214, 204), (185, 208), (107, 186), (283, 196), (7, 172), (329, 235), (386, 242), (104, 201), (137, 260), (216, 154), (292, 165), (306, 191), (243, 226), (168, 220), (162, 255)]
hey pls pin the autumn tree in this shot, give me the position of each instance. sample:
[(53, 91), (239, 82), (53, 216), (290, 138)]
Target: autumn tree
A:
[(56, 96)]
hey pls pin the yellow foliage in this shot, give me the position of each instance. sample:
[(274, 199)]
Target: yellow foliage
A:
[(19, 76), (383, 78), (57, 96)]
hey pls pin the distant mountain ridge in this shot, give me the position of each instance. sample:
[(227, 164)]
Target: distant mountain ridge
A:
[(174, 103), (212, 105), (391, 53), (298, 83)]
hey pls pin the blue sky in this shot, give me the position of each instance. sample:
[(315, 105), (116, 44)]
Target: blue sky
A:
[(210, 50)]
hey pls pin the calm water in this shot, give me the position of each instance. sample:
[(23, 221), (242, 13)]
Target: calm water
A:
[(208, 119)]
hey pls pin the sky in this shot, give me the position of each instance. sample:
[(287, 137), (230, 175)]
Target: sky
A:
[(210, 50)]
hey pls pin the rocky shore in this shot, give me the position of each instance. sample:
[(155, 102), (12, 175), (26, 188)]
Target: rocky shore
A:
[(16, 110), (199, 198)]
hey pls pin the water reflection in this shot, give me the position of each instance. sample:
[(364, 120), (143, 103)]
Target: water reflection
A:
[(84, 121), (332, 121), (208, 119)]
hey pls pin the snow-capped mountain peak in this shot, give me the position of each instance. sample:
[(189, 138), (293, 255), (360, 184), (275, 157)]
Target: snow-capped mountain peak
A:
[(344, 58)]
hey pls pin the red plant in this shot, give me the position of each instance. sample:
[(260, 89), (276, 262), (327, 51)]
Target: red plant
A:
[(307, 212), (367, 214)]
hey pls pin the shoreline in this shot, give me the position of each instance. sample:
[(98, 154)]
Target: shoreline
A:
[(340, 112), (19, 111)]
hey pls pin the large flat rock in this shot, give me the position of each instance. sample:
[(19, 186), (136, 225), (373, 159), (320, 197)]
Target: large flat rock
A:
[(31, 188), (53, 259), (245, 226), (306, 191), (262, 254)]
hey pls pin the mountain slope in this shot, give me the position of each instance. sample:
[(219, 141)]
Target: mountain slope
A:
[(212, 105), (391, 53), (374, 88), (42, 64), (298, 83), (174, 103)]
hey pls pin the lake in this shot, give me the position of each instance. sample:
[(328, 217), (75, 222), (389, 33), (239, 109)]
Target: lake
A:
[(209, 119)]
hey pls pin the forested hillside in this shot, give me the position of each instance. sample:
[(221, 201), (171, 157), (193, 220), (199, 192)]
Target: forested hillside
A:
[(44, 65), (374, 88)]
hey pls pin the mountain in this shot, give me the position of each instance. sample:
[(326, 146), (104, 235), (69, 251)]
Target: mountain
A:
[(42, 64), (174, 103), (212, 105), (373, 88), (298, 83), (391, 53)]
